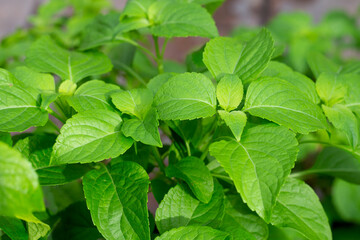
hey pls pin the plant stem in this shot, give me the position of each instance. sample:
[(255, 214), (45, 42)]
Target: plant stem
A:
[(159, 56), (302, 173), (133, 73), (53, 125), (225, 178), (52, 112), (188, 149), (158, 159), (135, 44)]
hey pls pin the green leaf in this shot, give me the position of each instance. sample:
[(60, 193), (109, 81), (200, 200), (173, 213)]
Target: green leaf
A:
[(46, 56), (6, 78), (224, 55), (38, 149), (281, 102), (90, 136), (19, 186), (14, 228), (175, 19), (136, 8), (346, 197), (117, 199), (180, 208), (145, 131), (20, 109), (331, 88), (299, 207), (303, 83), (239, 217), (194, 172), (338, 163), (344, 120), (235, 120), (29, 77), (229, 92), (194, 233), (93, 95), (6, 138), (186, 96), (156, 82), (319, 64), (37, 230), (258, 164), (136, 102)]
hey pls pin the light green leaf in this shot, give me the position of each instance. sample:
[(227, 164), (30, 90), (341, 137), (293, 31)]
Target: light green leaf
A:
[(19, 109), (258, 164), (346, 198), (175, 19), (46, 56), (299, 207), (194, 172), (136, 8), (180, 208), (37, 229), (224, 55), (279, 101), (186, 96), (90, 136), (156, 82), (145, 131), (239, 217), (303, 83), (331, 88), (235, 120), (19, 186), (93, 95), (319, 64), (194, 233), (338, 163), (117, 199), (136, 102), (29, 77), (229, 92), (6, 78), (344, 120), (352, 97), (14, 228)]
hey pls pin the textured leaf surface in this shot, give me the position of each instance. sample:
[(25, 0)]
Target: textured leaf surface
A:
[(186, 96), (29, 77), (303, 83), (136, 102), (90, 136), (344, 120), (45, 56), (194, 233), (92, 95), (19, 186), (338, 163), (117, 199), (331, 88), (194, 172), (19, 109), (299, 207), (176, 19), (236, 120), (258, 164), (156, 82), (145, 131), (180, 208), (6, 78), (229, 92), (279, 101), (320, 64), (14, 228)]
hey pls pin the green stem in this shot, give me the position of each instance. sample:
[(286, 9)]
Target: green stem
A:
[(52, 112), (225, 178), (158, 159), (133, 73), (135, 44), (53, 125), (188, 149), (302, 173), (159, 57)]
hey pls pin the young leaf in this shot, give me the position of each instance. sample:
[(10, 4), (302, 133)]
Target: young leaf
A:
[(19, 109), (175, 19), (14, 228), (186, 96), (344, 120), (20, 191), (319, 64), (338, 163), (29, 77), (90, 136), (225, 55), (136, 102), (194, 172), (145, 131), (299, 207), (258, 164), (303, 83), (331, 88), (37, 229), (117, 198), (194, 233), (93, 95), (346, 197), (229, 92), (281, 102), (236, 120), (180, 208), (46, 56)]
